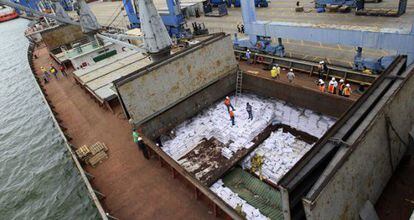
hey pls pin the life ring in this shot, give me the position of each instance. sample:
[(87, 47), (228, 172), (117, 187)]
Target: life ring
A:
[(260, 59)]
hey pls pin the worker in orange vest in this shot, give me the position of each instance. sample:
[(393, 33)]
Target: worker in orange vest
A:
[(232, 117), (228, 104), (341, 87), (347, 90), (321, 86), (332, 86)]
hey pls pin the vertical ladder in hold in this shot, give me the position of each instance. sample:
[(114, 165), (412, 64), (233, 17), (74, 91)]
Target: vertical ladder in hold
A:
[(239, 81)]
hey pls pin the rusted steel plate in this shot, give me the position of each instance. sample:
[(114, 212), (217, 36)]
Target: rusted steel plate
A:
[(162, 85)]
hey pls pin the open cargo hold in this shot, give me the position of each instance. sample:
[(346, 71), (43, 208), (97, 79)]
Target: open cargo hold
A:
[(168, 113), (203, 138), (219, 77), (207, 145), (170, 118)]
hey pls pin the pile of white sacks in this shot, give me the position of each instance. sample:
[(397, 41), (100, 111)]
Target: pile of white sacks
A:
[(215, 122), (280, 153), (233, 200)]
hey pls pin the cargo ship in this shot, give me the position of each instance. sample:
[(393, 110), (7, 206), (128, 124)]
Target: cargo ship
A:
[(286, 163), (7, 13)]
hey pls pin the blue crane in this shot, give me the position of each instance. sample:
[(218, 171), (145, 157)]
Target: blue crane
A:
[(236, 3), (174, 20), (400, 41), (34, 4)]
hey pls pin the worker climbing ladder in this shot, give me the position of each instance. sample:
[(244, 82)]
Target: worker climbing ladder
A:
[(239, 81)]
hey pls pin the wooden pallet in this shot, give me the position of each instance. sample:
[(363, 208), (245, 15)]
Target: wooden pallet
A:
[(379, 12), (83, 152), (97, 147), (94, 154), (97, 159)]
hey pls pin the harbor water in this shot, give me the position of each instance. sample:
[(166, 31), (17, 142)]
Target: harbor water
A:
[(38, 179)]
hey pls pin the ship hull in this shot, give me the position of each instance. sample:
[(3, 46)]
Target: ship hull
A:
[(7, 17)]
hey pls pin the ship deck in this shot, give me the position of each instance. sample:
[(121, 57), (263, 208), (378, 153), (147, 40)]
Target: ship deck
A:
[(134, 188)]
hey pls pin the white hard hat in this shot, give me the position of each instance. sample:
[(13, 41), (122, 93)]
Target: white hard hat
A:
[(341, 80), (139, 139), (347, 85), (291, 70), (248, 50), (320, 62), (333, 78), (322, 82), (227, 97), (274, 68)]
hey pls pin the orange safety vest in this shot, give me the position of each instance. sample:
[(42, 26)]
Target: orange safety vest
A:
[(331, 88), (227, 102), (347, 91), (231, 114), (322, 88)]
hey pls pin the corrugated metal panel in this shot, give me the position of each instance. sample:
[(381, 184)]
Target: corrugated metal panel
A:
[(98, 78), (109, 61), (172, 80), (255, 192)]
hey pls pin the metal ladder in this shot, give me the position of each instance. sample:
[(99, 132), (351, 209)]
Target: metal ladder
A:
[(239, 81)]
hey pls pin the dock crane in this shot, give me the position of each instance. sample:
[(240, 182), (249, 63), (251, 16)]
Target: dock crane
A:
[(157, 42), (173, 20), (400, 41)]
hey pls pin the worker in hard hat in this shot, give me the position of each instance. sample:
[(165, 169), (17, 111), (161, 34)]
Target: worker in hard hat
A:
[(232, 118), (335, 85), (332, 86), (53, 70), (341, 86), (367, 71), (135, 135), (45, 72), (275, 72), (143, 148), (321, 85), (347, 90), (323, 69), (228, 104), (138, 141), (248, 56), (290, 75), (249, 111)]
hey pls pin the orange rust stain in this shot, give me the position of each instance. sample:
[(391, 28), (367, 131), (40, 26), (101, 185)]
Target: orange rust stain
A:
[(344, 214), (174, 88)]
